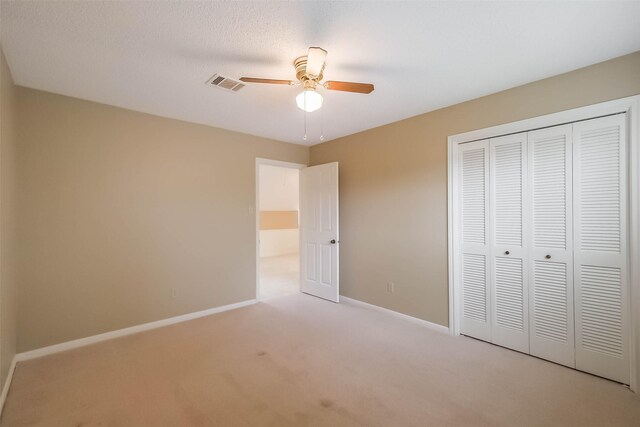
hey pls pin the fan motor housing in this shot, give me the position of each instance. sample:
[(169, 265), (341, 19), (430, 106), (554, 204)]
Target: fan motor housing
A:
[(301, 70)]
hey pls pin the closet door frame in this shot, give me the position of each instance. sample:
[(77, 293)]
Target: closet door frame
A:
[(629, 105)]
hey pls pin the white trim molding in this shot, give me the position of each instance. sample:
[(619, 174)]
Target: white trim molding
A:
[(7, 384), (425, 323), (81, 342), (629, 105)]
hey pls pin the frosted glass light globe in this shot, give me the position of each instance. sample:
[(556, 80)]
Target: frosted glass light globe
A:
[(309, 100)]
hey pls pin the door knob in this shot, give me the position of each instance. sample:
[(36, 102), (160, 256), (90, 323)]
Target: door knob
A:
[(507, 252), (333, 241), (547, 256)]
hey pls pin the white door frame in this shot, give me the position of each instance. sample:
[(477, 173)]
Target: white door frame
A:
[(630, 105), (259, 162)]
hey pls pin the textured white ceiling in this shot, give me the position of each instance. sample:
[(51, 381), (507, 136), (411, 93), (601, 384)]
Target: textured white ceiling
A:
[(155, 56)]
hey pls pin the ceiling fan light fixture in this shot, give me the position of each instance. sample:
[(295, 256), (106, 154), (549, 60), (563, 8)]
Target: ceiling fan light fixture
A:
[(309, 100)]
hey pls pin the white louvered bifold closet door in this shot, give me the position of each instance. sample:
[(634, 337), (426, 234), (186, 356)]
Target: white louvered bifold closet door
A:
[(510, 302), (600, 229), (474, 211), (550, 250)]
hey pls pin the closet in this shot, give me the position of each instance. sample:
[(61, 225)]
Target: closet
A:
[(542, 241)]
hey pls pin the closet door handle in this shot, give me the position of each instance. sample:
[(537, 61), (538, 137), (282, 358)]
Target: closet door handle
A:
[(507, 252), (547, 256)]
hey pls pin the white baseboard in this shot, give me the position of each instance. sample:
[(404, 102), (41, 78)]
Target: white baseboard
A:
[(7, 384), (430, 325), (56, 348)]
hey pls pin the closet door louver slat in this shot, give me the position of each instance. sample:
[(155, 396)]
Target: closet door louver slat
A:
[(510, 306), (600, 247), (550, 252), (473, 202)]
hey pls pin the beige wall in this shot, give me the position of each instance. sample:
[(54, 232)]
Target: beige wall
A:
[(278, 220), (393, 185), (118, 207), (8, 287)]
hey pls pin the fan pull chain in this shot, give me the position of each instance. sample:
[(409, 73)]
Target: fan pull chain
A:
[(322, 124), (305, 119)]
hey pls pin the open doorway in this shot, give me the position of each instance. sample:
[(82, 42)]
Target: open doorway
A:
[(278, 201)]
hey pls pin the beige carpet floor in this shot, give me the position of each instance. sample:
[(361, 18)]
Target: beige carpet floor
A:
[(302, 361), (279, 276)]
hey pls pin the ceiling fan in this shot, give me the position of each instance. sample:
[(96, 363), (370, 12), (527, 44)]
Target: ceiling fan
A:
[(309, 72)]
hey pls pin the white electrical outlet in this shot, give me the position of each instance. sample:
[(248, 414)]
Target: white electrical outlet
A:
[(174, 292), (391, 287)]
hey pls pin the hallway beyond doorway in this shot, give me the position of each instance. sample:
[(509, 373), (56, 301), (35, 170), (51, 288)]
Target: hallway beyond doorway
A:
[(279, 276)]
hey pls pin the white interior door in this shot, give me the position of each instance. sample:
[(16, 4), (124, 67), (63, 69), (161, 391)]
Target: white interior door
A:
[(509, 285), (600, 230), (474, 214), (319, 232), (551, 247)]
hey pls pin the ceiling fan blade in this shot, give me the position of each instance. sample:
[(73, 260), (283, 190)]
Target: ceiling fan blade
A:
[(350, 87), (315, 61), (268, 81)]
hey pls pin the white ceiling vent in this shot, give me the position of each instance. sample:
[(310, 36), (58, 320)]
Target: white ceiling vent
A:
[(225, 83)]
